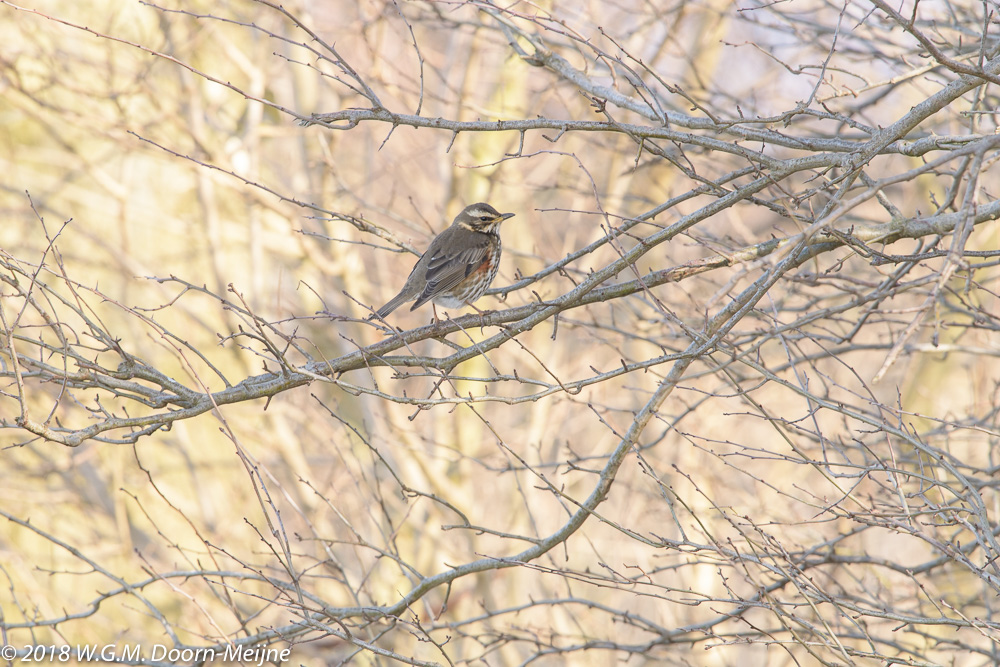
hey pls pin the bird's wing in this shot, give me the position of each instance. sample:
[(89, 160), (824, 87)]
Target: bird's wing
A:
[(445, 270)]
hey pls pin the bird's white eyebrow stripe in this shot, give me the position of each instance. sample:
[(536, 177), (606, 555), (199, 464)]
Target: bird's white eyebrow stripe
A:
[(480, 212)]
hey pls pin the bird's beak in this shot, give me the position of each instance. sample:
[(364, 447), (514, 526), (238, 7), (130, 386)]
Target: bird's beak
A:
[(504, 216)]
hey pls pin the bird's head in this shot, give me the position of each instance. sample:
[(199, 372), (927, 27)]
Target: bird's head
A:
[(481, 218)]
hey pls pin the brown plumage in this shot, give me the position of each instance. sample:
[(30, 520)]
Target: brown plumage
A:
[(459, 264)]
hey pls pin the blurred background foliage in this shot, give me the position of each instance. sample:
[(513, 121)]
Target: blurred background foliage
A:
[(137, 154)]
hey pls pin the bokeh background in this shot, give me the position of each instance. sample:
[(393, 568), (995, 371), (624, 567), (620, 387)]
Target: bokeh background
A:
[(790, 515)]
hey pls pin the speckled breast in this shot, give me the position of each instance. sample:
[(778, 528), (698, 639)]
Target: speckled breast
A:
[(477, 282)]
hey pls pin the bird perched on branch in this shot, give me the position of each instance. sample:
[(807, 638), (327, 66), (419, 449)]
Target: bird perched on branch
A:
[(459, 264)]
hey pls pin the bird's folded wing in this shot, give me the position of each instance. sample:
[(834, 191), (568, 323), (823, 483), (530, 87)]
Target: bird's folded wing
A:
[(445, 271)]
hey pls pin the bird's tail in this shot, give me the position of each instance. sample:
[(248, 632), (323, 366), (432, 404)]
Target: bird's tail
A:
[(394, 303)]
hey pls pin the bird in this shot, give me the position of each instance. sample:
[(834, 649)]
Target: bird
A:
[(459, 264)]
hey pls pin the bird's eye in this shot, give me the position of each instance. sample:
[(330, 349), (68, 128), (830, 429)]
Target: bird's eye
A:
[(484, 218)]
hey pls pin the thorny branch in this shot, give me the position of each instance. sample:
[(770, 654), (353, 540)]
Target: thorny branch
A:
[(818, 278)]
